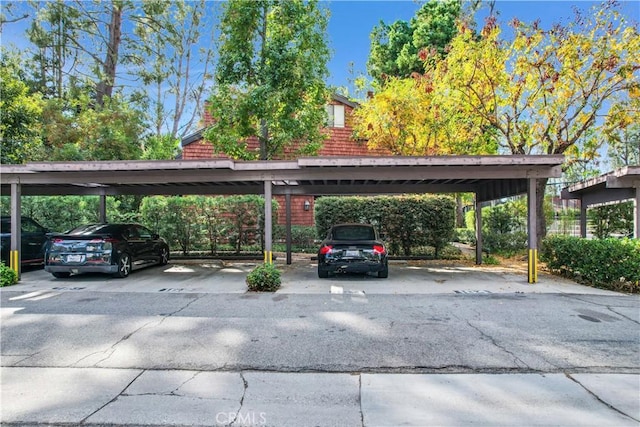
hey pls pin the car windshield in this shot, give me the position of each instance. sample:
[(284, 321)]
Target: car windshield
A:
[(353, 232)]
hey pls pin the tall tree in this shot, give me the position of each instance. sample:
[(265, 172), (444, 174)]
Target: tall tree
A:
[(543, 91), (408, 117), (396, 48), (176, 46), (270, 77)]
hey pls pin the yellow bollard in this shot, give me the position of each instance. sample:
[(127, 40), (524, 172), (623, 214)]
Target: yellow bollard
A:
[(268, 257), (13, 261), (533, 265)]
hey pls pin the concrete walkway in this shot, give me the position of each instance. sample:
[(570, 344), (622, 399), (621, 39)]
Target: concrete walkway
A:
[(195, 398)]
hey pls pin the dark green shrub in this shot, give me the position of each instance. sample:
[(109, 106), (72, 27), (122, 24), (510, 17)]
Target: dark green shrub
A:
[(505, 244), (303, 237), (612, 219), (465, 235), (405, 222), (604, 263), (8, 277), (264, 278)]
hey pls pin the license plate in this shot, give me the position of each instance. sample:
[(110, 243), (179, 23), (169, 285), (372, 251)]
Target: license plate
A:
[(75, 258), (352, 254)]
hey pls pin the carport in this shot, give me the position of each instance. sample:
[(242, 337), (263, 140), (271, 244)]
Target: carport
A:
[(614, 187), (488, 177)]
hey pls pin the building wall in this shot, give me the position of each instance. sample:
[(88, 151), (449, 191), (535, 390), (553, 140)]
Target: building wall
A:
[(339, 143)]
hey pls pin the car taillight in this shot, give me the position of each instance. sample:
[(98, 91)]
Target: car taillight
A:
[(325, 250), (378, 249)]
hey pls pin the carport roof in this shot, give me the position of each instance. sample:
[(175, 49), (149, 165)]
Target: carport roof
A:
[(615, 186), (492, 177)]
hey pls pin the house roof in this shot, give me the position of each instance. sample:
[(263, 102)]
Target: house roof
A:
[(197, 135)]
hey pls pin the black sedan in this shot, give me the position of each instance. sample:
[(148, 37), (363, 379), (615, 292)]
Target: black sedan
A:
[(104, 248), (33, 237), (352, 248)]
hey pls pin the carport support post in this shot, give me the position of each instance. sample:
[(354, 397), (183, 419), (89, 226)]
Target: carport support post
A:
[(636, 210), (478, 231), (16, 227), (583, 218), (268, 226), (287, 202), (533, 231), (103, 208)]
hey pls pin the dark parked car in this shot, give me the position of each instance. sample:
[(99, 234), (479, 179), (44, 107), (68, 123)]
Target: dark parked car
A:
[(352, 248), (33, 237), (104, 248)]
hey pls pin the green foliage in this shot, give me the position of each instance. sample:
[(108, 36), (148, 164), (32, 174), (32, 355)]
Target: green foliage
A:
[(163, 147), (194, 223), (20, 112), (396, 48), (61, 213), (504, 226), (8, 277), (612, 219), (405, 222), (624, 144), (603, 263), (181, 222), (270, 78), (302, 237), (88, 132), (264, 278)]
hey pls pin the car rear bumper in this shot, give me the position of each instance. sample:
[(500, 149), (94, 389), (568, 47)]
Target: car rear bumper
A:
[(98, 268), (352, 266)]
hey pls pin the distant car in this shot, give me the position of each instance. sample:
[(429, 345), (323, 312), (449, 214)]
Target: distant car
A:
[(33, 237), (352, 248), (104, 248)]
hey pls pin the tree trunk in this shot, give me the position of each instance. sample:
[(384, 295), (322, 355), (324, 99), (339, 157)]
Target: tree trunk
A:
[(105, 87), (264, 137), (541, 220)]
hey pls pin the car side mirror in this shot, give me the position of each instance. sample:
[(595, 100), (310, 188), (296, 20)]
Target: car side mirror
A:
[(155, 236)]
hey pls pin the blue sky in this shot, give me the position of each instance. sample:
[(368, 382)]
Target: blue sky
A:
[(351, 23)]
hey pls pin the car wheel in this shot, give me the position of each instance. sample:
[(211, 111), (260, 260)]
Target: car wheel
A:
[(323, 273), (124, 266), (164, 256), (61, 275), (384, 273)]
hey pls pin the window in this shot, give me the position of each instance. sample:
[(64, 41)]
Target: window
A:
[(335, 116)]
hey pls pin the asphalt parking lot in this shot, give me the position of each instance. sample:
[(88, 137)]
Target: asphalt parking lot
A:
[(405, 277)]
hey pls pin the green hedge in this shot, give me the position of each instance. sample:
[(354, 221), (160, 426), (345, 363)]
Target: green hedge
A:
[(405, 222), (206, 223), (608, 263)]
